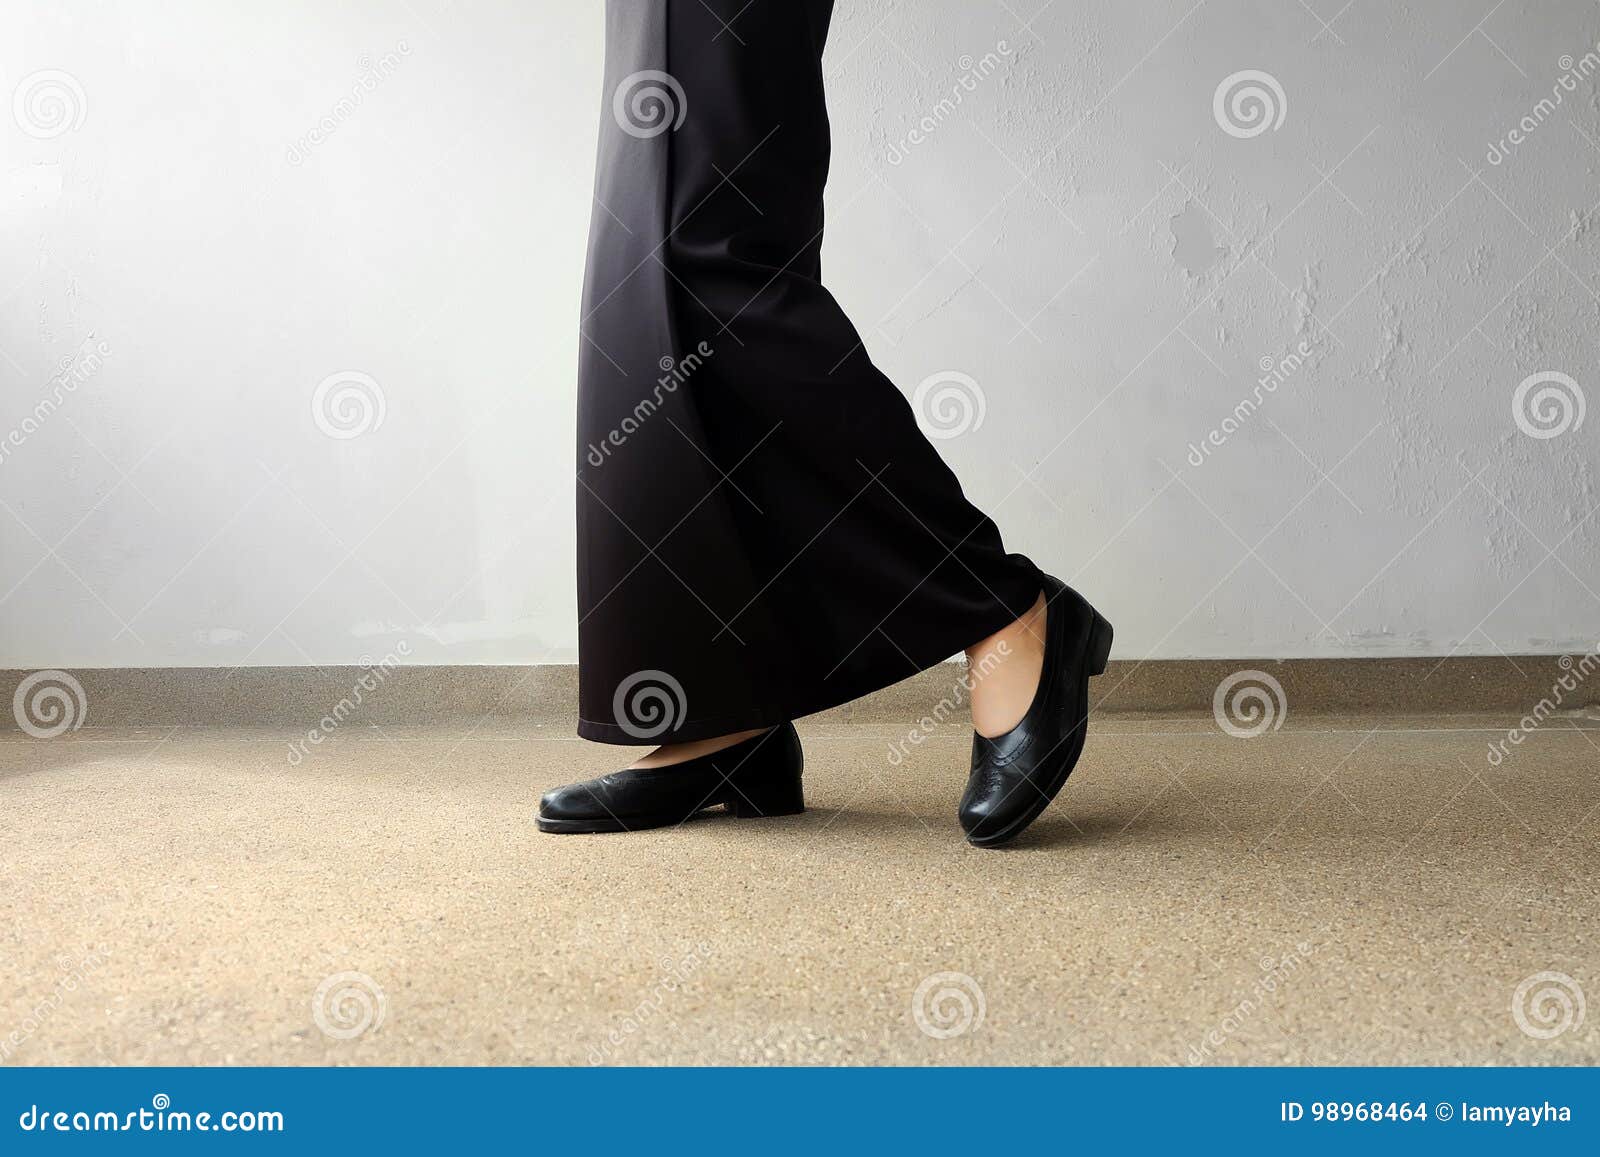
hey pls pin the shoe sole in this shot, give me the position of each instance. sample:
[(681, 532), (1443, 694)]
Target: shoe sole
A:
[(1095, 655), (595, 826), (586, 827)]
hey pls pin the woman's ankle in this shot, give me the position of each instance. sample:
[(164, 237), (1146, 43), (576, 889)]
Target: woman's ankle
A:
[(673, 753), (1005, 669)]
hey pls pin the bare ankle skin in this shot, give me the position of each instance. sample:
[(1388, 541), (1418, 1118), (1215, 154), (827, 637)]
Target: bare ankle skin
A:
[(1005, 670), (671, 753)]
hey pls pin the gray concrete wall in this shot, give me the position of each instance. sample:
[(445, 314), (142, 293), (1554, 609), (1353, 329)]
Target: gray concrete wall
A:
[(234, 234)]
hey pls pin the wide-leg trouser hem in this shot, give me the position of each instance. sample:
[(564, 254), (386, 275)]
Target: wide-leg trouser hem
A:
[(937, 649)]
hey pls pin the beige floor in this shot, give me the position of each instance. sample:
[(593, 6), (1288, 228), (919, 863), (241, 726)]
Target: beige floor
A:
[(1345, 890)]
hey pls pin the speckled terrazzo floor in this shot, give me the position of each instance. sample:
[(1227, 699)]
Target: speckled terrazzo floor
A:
[(1344, 890)]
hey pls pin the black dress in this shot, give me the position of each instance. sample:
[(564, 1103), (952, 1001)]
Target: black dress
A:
[(763, 530)]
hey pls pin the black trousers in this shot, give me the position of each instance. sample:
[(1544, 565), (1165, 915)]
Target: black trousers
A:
[(763, 530)]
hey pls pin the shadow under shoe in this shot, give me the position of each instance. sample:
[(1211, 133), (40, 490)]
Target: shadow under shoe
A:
[(757, 777), (1016, 775)]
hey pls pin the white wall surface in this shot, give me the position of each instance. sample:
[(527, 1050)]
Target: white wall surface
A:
[(1078, 234)]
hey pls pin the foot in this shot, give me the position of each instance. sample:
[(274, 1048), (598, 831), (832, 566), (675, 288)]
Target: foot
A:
[(1005, 670), (1017, 773), (757, 776), (674, 753)]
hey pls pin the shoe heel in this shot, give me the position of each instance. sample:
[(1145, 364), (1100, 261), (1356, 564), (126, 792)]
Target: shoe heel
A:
[(770, 786), (779, 795), (1099, 644)]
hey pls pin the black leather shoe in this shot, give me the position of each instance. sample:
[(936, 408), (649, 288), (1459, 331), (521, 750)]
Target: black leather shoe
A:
[(1016, 775), (758, 777)]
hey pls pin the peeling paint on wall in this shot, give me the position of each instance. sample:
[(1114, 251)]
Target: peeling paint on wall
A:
[(1193, 247)]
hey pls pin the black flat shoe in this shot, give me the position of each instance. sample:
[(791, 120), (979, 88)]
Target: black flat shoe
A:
[(757, 777), (1016, 775)]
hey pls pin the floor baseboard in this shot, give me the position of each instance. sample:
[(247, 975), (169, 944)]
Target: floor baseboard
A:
[(399, 696)]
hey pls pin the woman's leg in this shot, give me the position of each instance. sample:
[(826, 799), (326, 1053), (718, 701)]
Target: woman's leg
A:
[(764, 532)]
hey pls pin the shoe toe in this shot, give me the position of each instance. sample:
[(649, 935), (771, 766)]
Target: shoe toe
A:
[(979, 812), (572, 802), (977, 822)]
